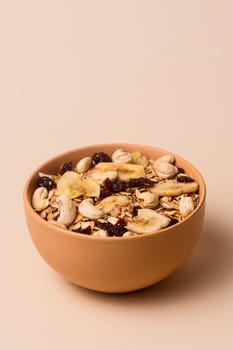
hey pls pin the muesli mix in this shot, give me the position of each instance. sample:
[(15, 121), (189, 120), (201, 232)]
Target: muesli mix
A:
[(123, 194)]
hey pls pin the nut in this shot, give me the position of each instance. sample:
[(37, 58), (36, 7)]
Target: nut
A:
[(84, 165), (40, 199), (168, 158), (150, 200), (67, 210), (88, 210), (120, 156), (165, 170), (139, 159), (186, 206)]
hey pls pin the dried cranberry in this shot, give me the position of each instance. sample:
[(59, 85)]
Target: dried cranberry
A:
[(105, 189), (140, 182), (66, 167), (184, 179), (87, 230), (102, 225), (135, 210), (113, 230), (180, 170), (101, 157), (173, 221), (46, 182), (118, 186), (118, 229)]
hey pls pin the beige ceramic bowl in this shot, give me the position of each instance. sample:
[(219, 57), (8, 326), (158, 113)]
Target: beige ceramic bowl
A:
[(113, 264)]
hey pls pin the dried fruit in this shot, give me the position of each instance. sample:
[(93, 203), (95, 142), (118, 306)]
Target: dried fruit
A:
[(184, 179), (87, 230), (66, 167), (125, 171), (118, 186), (101, 157), (140, 182), (113, 230), (180, 170), (105, 189), (173, 222), (135, 210), (46, 182)]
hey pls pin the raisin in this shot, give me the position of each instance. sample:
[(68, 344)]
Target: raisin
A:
[(46, 182), (135, 210), (87, 230), (101, 157), (118, 229), (173, 222), (66, 167), (184, 179), (180, 170), (140, 182), (118, 186), (105, 189), (113, 230)]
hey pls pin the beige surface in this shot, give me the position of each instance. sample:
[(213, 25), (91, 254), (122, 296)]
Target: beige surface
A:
[(153, 72)]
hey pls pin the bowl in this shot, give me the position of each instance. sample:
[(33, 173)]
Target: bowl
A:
[(114, 264)]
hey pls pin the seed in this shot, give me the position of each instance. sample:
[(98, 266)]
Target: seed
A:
[(101, 157), (46, 182), (66, 167), (184, 179)]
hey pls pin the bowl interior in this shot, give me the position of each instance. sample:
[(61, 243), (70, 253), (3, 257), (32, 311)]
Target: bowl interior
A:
[(53, 165)]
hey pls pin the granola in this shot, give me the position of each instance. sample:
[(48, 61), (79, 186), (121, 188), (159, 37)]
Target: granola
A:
[(122, 195)]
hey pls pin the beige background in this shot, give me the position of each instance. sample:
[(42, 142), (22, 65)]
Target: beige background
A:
[(74, 73)]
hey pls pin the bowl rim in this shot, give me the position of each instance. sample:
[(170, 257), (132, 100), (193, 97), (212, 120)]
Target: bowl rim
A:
[(41, 221)]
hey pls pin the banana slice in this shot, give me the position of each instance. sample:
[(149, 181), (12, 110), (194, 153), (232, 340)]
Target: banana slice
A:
[(100, 176), (139, 159), (108, 203), (148, 221), (74, 186), (125, 171), (174, 188)]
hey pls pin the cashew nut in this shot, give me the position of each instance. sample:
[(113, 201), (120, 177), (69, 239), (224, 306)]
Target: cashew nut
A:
[(120, 156), (186, 206), (150, 200), (67, 210), (40, 199), (84, 165), (165, 170), (168, 158), (164, 167), (88, 210)]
